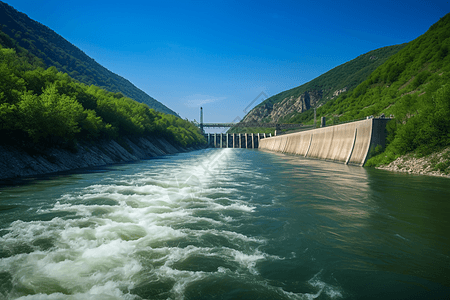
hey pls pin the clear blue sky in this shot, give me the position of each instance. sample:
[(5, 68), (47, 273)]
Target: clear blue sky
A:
[(222, 54)]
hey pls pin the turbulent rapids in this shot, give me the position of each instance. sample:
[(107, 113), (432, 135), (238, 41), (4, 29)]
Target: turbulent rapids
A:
[(153, 233), (212, 224)]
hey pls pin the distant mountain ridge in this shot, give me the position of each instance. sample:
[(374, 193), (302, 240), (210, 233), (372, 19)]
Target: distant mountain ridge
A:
[(286, 106), (54, 50)]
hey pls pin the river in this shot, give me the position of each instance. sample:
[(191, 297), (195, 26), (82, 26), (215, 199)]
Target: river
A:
[(226, 224)]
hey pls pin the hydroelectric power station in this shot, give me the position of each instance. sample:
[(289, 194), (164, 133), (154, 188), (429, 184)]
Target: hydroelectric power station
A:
[(349, 143)]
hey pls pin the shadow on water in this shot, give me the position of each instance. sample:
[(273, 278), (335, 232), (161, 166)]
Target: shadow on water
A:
[(371, 230), (67, 176), (375, 230)]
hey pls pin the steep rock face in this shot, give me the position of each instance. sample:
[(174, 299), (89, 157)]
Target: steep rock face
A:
[(274, 112), (338, 92)]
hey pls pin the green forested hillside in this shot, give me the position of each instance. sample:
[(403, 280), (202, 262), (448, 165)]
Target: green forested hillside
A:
[(413, 86), (341, 79), (347, 75), (411, 82), (54, 50), (45, 107)]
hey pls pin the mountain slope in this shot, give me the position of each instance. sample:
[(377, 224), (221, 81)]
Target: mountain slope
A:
[(44, 108), (286, 105), (414, 87), (54, 50)]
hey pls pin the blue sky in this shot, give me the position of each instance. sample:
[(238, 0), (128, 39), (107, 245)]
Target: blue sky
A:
[(222, 54)]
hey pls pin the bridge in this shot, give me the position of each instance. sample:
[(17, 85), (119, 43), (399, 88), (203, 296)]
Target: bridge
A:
[(277, 126), (242, 140)]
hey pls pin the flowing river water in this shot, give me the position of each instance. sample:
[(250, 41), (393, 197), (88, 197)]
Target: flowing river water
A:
[(226, 224)]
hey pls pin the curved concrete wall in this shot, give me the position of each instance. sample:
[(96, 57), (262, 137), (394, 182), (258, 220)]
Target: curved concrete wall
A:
[(347, 143)]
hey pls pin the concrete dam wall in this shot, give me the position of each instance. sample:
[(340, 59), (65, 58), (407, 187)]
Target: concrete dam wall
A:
[(348, 143)]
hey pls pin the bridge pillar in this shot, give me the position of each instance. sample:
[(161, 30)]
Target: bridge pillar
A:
[(253, 141), (246, 141), (227, 141), (215, 140), (233, 140)]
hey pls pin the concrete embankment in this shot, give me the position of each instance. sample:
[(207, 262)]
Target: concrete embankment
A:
[(348, 143), (16, 162)]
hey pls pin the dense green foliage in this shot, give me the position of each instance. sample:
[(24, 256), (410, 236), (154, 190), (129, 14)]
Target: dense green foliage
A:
[(19, 32), (49, 107)]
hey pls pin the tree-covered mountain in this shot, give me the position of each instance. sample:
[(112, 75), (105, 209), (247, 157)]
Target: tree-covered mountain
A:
[(18, 30), (43, 108), (286, 106)]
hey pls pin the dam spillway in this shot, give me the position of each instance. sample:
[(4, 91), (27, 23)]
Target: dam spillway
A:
[(235, 140), (348, 143)]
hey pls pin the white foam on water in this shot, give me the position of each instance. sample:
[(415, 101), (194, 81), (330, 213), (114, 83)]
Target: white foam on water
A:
[(331, 291), (248, 261), (146, 225)]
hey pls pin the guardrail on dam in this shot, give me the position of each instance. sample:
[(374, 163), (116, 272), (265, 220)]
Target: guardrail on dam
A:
[(348, 143)]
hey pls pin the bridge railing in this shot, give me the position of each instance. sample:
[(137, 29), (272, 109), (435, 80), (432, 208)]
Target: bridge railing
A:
[(252, 124)]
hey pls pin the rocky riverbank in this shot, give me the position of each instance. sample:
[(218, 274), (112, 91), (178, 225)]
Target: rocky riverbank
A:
[(16, 162), (436, 164)]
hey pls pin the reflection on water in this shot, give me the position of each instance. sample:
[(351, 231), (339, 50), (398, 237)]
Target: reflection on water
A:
[(226, 224)]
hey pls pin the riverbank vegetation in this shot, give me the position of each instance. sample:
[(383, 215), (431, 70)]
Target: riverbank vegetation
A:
[(47, 108)]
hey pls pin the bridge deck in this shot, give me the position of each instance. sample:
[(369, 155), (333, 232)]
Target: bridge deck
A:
[(252, 124)]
